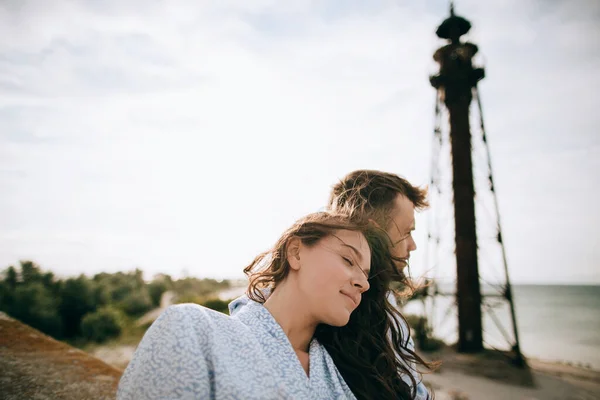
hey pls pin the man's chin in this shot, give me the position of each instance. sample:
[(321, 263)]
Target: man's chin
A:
[(399, 270)]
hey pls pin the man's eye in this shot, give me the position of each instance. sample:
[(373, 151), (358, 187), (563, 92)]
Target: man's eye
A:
[(402, 239)]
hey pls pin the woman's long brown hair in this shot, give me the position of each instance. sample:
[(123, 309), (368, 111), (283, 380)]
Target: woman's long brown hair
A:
[(371, 350)]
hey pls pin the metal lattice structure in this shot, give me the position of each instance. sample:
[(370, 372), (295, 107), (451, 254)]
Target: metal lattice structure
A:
[(465, 249)]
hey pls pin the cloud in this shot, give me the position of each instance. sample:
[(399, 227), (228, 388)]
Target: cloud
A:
[(190, 134)]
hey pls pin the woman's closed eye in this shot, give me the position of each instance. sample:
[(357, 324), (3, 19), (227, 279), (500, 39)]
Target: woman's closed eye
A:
[(352, 264)]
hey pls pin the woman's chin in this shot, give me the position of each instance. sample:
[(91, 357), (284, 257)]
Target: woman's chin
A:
[(339, 319)]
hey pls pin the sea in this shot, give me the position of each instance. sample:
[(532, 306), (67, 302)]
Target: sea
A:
[(558, 323), (554, 323)]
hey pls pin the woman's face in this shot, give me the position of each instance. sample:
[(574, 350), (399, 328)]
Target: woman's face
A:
[(333, 274)]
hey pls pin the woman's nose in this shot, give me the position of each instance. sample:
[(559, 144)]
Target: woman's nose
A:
[(362, 283)]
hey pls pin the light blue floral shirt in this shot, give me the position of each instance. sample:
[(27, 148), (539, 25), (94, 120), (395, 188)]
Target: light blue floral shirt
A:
[(191, 352), (422, 393)]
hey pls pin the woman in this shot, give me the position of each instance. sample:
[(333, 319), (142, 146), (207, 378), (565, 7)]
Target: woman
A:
[(321, 334)]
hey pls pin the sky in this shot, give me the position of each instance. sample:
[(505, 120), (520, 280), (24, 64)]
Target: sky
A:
[(184, 137)]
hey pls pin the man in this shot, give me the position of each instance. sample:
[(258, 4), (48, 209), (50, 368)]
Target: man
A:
[(389, 201)]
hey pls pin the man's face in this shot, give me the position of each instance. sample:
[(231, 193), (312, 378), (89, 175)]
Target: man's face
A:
[(400, 228)]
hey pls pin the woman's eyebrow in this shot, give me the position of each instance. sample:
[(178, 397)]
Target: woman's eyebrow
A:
[(358, 255), (366, 271)]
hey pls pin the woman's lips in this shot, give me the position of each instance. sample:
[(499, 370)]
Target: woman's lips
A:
[(355, 298)]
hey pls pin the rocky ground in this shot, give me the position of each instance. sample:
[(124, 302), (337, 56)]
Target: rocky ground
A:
[(35, 366)]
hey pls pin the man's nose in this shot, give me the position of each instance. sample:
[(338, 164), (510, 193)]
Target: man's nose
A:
[(412, 245)]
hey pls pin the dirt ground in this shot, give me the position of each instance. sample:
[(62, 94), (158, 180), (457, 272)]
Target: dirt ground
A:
[(35, 366)]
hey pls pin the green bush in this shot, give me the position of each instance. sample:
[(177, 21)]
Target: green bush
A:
[(212, 302), (57, 307), (189, 298), (136, 303), (217, 305), (156, 290), (413, 320), (422, 335), (102, 325), (200, 287), (76, 300)]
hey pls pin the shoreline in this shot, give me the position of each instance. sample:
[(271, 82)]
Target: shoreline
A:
[(491, 375)]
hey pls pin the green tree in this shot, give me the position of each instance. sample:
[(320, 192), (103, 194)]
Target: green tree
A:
[(156, 290), (139, 278), (213, 303), (101, 294), (101, 325), (6, 296), (76, 300), (11, 277), (7, 289), (122, 285), (30, 272), (199, 287), (217, 305), (34, 305), (136, 303)]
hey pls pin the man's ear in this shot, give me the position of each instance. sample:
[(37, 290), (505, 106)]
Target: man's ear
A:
[(293, 253)]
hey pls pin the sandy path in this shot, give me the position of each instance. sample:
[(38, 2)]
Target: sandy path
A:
[(474, 387)]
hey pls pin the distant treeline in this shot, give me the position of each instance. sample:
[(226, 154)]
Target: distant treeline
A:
[(93, 308)]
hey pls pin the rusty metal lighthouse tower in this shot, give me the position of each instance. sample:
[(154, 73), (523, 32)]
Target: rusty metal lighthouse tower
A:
[(467, 166), (455, 81)]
